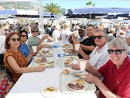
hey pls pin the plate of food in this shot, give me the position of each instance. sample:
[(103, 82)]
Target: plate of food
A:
[(42, 64), (77, 85), (50, 91), (68, 50), (51, 65), (48, 46), (66, 72), (41, 60), (49, 55), (68, 61), (38, 60)]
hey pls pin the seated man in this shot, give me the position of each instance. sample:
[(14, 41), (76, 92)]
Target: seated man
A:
[(81, 33), (88, 44), (99, 56)]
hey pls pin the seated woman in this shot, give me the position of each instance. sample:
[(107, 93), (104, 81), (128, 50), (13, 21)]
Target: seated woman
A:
[(23, 47), (34, 40), (14, 60)]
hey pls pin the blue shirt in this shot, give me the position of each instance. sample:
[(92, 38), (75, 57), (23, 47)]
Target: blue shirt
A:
[(24, 49)]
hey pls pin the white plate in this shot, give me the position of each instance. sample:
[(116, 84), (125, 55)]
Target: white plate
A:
[(49, 95), (49, 55), (65, 79), (85, 86)]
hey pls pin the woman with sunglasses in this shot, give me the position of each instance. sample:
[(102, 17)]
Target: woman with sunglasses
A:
[(34, 40), (115, 73), (14, 60), (23, 47)]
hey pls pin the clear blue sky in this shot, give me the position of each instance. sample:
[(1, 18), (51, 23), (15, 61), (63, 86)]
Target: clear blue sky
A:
[(82, 3)]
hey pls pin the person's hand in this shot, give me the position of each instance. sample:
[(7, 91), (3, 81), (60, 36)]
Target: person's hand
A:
[(46, 36), (42, 46), (75, 66), (79, 50), (40, 68), (32, 53), (76, 42), (90, 78)]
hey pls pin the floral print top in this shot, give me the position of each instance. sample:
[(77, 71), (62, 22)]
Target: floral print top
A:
[(21, 61)]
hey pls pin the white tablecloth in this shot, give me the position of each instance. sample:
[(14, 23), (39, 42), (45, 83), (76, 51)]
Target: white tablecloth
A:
[(31, 85)]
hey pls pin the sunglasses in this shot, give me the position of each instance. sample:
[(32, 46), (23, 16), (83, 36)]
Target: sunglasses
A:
[(34, 31), (23, 35), (118, 51), (81, 32), (14, 39), (99, 37)]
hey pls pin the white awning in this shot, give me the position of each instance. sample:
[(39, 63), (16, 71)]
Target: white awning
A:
[(26, 12)]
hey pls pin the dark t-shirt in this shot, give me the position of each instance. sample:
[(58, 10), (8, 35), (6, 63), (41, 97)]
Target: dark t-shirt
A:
[(88, 42)]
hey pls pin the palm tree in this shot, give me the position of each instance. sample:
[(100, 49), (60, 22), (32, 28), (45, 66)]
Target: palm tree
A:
[(90, 4), (52, 8)]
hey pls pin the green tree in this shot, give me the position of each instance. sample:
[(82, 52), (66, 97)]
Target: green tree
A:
[(52, 8), (90, 4)]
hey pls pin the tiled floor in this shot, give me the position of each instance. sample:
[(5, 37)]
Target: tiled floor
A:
[(2, 73)]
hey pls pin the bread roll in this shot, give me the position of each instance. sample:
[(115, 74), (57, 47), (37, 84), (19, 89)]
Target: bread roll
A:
[(80, 82), (66, 72), (50, 90)]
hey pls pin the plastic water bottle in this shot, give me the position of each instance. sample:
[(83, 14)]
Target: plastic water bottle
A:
[(55, 51), (61, 59)]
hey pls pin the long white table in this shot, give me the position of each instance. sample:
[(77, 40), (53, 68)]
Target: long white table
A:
[(31, 85)]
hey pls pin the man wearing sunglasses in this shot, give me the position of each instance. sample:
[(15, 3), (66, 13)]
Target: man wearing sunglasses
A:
[(115, 73), (99, 55)]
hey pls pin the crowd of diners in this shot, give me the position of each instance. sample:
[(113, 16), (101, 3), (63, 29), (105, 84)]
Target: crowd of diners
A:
[(105, 47)]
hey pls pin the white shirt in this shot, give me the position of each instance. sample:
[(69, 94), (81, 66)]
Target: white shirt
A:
[(2, 32), (2, 44), (99, 57), (56, 35), (65, 33)]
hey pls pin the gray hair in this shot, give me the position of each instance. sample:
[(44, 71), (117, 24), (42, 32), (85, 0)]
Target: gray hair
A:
[(120, 43), (103, 31)]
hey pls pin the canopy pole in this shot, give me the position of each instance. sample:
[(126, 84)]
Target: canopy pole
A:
[(90, 16), (41, 26)]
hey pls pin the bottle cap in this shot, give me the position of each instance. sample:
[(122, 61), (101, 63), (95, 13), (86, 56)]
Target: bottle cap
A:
[(60, 55), (55, 46)]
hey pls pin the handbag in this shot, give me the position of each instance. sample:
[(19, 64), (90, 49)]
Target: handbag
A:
[(5, 86)]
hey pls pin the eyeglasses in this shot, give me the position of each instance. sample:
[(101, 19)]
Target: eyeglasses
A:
[(14, 39), (99, 37), (34, 31), (118, 51), (81, 32), (23, 35)]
